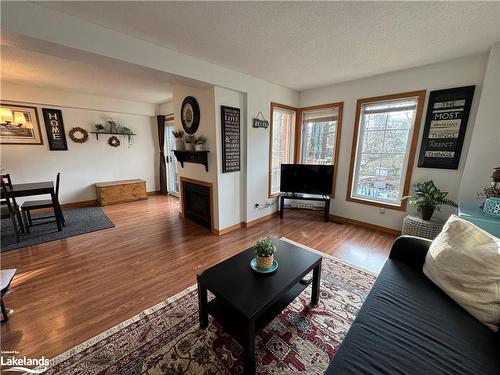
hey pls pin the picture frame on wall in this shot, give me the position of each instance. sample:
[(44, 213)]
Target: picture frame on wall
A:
[(54, 125), (230, 124), (445, 126), (19, 125)]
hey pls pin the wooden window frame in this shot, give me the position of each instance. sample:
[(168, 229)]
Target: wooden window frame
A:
[(294, 146), (413, 146), (298, 136)]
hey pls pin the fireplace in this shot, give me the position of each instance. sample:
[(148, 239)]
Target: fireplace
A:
[(196, 201)]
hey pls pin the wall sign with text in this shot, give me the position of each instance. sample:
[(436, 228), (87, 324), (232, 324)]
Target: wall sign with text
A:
[(230, 123), (445, 126), (55, 129)]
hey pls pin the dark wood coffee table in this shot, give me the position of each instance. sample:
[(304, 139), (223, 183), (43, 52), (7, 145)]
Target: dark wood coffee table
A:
[(246, 301)]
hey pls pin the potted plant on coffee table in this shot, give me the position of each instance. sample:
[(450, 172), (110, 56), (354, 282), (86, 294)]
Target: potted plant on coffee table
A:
[(427, 198), (264, 250), (179, 141)]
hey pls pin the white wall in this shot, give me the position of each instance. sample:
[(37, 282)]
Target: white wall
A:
[(206, 101), (484, 152), (455, 73), (166, 108), (94, 161), (231, 185)]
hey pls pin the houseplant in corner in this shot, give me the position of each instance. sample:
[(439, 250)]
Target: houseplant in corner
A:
[(264, 259), (427, 198), (179, 141)]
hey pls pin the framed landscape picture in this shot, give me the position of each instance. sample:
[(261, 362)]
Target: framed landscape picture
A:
[(19, 125), (445, 126)]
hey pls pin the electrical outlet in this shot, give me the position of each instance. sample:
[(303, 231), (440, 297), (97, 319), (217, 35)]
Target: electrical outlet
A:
[(381, 210), (256, 205)]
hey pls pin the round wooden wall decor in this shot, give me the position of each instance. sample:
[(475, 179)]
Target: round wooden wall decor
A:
[(190, 115), (113, 141), (79, 135)]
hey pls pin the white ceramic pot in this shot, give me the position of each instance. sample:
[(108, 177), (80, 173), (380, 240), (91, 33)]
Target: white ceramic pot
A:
[(180, 145), (198, 147)]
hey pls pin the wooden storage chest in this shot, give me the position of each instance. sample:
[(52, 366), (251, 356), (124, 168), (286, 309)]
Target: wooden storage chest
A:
[(114, 192)]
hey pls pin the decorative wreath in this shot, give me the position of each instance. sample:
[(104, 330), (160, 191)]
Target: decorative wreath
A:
[(79, 135), (113, 141)]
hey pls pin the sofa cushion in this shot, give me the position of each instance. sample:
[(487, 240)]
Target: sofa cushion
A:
[(464, 261), (407, 325)]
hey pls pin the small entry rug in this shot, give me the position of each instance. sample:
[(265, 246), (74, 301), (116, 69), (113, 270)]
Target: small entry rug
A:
[(166, 339), (78, 221)]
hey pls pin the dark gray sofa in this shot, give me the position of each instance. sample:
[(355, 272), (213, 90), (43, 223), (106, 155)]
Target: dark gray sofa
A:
[(407, 325)]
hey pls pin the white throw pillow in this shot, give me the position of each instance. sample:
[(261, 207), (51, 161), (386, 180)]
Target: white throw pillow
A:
[(464, 261)]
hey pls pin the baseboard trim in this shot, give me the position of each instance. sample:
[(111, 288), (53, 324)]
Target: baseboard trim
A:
[(380, 228), (154, 192), (232, 228), (89, 203), (248, 224)]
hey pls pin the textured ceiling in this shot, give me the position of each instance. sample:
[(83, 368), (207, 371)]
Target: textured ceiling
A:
[(110, 79), (304, 44)]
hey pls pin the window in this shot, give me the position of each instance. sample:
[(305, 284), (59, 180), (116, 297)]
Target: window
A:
[(320, 135), (282, 143), (384, 142)]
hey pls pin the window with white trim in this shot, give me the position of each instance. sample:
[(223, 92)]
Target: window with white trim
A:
[(385, 131), (282, 143)]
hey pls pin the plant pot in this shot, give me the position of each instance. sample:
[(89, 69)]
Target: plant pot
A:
[(264, 262), (179, 145), (492, 207), (427, 212), (189, 147), (496, 174), (198, 147)]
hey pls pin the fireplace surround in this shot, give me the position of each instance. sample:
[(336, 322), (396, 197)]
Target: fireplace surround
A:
[(196, 201)]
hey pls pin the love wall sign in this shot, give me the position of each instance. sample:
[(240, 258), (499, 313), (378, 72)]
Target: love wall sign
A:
[(230, 123), (55, 129), (445, 126)]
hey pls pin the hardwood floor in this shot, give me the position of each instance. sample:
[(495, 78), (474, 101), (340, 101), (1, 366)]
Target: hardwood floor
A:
[(70, 290)]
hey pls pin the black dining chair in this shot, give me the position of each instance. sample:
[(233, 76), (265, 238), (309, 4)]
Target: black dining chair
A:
[(28, 206), (8, 209)]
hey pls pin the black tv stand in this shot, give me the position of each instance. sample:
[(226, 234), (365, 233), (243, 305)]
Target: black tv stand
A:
[(305, 197)]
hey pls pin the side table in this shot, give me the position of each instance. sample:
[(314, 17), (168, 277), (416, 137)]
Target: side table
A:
[(416, 226)]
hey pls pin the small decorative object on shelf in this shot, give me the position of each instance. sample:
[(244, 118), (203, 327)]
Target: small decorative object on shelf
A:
[(79, 135), (492, 207), (99, 127), (114, 128), (179, 142), (427, 198), (264, 259), (190, 142), (113, 141), (492, 191), (200, 141)]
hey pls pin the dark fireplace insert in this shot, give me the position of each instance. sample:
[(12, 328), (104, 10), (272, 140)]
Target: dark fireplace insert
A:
[(196, 202)]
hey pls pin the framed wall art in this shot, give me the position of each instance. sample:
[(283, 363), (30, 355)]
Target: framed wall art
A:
[(54, 126), (19, 125), (230, 123), (445, 126)]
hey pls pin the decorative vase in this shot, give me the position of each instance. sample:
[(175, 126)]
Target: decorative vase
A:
[(179, 145), (492, 207), (264, 262), (198, 147), (427, 212)]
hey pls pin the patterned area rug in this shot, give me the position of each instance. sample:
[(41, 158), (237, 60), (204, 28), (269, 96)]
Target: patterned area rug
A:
[(166, 339)]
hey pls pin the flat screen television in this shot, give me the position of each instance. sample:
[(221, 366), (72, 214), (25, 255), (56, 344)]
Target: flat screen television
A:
[(306, 178)]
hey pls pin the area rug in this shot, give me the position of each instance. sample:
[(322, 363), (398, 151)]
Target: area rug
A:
[(78, 221), (166, 339)]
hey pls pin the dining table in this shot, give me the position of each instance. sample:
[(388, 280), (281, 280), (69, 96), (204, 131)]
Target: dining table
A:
[(38, 188)]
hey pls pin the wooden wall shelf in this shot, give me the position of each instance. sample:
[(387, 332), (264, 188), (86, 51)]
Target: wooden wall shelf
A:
[(196, 157)]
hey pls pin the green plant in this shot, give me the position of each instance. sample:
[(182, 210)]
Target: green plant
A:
[(190, 139), (178, 133), (428, 195), (264, 247), (200, 140)]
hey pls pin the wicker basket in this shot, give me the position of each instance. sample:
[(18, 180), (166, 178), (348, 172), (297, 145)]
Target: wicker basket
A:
[(264, 262)]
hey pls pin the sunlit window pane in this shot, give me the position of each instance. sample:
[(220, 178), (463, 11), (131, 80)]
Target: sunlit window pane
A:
[(319, 135), (282, 144)]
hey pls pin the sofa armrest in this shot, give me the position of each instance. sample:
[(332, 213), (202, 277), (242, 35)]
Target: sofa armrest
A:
[(410, 250)]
